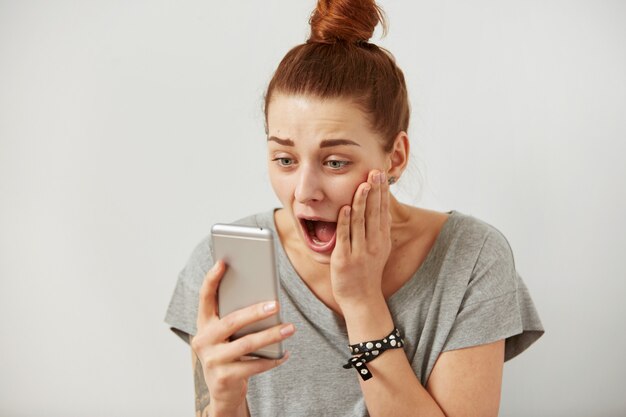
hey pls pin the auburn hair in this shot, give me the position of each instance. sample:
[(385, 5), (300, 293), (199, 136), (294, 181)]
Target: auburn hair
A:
[(337, 61)]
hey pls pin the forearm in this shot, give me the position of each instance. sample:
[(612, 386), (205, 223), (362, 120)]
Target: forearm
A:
[(215, 411), (394, 388)]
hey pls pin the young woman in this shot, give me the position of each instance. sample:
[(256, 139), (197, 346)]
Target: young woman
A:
[(433, 297)]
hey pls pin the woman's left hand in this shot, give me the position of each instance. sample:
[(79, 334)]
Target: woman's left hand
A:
[(363, 243)]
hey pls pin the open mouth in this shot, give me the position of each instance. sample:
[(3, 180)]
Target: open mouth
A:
[(320, 235)]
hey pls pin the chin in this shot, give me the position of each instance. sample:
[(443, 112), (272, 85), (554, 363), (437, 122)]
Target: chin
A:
[(320, 257)]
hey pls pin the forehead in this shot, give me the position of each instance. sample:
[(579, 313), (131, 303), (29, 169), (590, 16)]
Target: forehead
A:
[(305, 118)]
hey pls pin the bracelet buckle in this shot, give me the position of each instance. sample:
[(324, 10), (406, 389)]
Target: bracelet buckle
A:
[(365, 352)]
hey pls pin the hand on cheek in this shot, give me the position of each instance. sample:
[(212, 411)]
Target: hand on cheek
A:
[(363, 242)]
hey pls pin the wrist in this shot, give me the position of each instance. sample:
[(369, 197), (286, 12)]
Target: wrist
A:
[(217, 410), (368, 319), (359, 303), (362, 307)]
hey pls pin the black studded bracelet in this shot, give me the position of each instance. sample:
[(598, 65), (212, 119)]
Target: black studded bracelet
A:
[(365, 352)]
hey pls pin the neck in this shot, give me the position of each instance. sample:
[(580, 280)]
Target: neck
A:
[(400, 214)]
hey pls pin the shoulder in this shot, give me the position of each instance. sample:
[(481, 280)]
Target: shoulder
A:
[(459, 233), (479, 237), (183, 308), (201, 255), (470, 256), (262, 219), (488, 254)]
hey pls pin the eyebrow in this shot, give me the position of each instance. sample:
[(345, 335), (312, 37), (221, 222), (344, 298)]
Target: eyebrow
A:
[(326, 143)]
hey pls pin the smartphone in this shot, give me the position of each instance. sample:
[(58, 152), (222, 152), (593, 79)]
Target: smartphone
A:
[(251, 276)]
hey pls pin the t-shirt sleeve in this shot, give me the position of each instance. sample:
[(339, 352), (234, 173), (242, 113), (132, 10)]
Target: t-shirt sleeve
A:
[(183, 308), (496, 304)]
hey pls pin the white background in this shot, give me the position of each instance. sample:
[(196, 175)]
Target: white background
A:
[(128, 127)]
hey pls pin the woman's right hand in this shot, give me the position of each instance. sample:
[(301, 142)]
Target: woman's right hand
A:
[(225, 373)]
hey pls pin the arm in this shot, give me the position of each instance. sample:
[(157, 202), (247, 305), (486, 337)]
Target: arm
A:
[(468, 381), (201, 390), (463, 383)]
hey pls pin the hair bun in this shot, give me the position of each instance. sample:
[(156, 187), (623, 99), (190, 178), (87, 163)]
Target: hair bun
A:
[(351, 21)]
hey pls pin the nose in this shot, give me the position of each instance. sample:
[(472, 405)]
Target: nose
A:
[(308, 188)]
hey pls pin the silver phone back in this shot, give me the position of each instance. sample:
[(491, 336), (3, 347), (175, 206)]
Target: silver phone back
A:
[(251, 276)]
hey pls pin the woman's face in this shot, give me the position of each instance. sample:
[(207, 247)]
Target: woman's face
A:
[(319, 151)]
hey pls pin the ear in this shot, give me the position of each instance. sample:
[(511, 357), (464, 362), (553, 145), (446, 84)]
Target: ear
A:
[(398, 158)]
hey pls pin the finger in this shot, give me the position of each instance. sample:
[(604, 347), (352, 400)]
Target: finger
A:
[(372, 211), (252, 342), (357, 217), (385, 215), (342, 243), (207, 305), (238, 319), (253, 366)]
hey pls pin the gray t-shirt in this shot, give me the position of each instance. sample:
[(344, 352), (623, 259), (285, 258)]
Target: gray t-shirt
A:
[(466, 293)]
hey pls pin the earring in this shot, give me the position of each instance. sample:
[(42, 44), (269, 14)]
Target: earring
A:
[(392, 180)]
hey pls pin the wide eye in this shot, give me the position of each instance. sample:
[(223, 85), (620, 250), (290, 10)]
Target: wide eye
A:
[(283, 162), (335, 164)]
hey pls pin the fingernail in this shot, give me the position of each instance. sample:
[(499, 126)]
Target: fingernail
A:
[(366, 190), (377, 178), (347, 211), (271, 306), (287, 330), (383, 178)]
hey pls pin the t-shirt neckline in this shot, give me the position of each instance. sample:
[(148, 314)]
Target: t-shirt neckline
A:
[(315, 308)]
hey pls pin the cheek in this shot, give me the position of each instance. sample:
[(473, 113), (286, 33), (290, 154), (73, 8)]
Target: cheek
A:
[(339, 189), (344, 187), (282, 185)]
